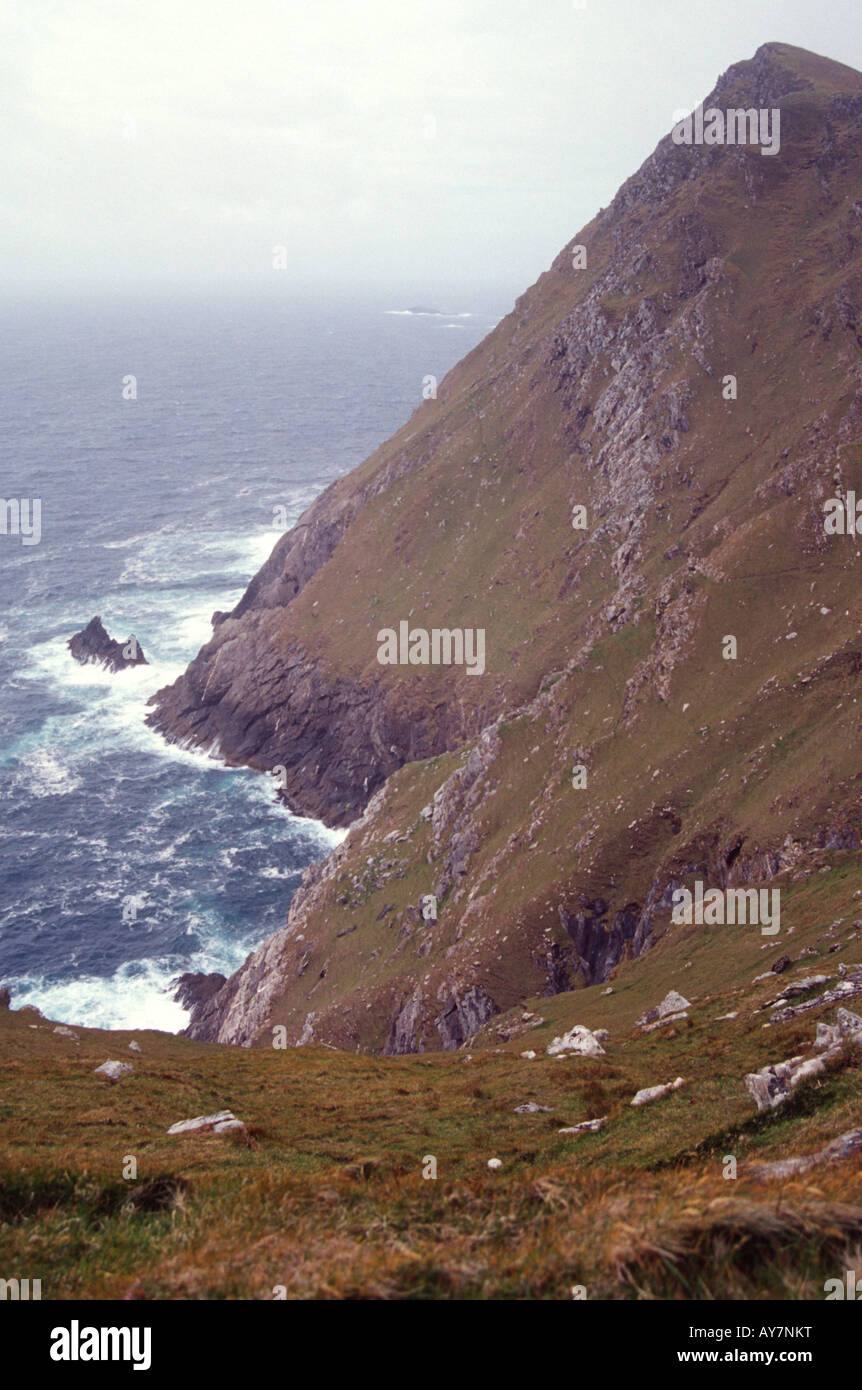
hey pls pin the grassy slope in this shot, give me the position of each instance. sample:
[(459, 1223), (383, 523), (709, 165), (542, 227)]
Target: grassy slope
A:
[(326, 1195)]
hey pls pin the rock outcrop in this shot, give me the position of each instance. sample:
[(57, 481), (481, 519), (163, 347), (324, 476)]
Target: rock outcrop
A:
[(93, 645)]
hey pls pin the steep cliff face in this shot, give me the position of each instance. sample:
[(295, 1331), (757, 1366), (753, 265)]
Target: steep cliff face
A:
[(695, 389)]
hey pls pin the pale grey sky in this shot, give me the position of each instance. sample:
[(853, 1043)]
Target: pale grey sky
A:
[(382, 142)]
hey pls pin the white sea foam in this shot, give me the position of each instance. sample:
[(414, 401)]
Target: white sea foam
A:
[(44, 773), (135, 996)]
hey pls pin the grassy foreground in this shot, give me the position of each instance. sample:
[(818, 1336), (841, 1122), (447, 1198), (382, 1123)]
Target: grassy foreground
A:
[(324, 1196)]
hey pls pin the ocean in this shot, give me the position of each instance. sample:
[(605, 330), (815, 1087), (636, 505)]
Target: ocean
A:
[(125, 861)]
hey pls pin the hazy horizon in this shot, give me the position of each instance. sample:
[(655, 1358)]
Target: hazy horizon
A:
[(434, 152)]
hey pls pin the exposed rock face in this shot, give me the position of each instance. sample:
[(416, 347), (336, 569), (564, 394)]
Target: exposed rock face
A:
[(94, 645), (194, 989), (603, 389), (5, 997), (195, 992)]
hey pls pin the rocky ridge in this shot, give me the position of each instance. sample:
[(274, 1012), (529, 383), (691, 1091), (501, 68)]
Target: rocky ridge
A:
[(604, 388)]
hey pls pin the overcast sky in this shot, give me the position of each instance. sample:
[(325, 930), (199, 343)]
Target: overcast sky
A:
[(383, 143)]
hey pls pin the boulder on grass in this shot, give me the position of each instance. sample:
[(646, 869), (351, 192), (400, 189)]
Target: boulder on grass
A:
[(579, 1040), (222, 1122), (113, 1070), (673, 1005), (650, 1093)]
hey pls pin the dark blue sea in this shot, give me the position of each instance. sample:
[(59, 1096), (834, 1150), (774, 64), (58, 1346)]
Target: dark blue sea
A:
[(125, 861)]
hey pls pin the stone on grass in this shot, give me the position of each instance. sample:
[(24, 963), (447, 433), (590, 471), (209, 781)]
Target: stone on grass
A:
[(673, 1003), (531, 1108), (650, 1093), (846, 989), (842, 1147), (114, 1070), (65, 1032), (773, 1084), (495, 1163), (579, 1040), (222, 1122), (585, 1126), (847, 1026), (660, 1022)]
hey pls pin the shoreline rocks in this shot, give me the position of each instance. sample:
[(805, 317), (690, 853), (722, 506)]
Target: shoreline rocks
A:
[(94, 646)]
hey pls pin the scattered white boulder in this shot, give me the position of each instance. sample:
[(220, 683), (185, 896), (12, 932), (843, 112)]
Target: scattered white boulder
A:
[(660, 1022), (65, 1032), (585, 1127), (721, 1017), (134, 1046), (114, 1070), (847, 1026), (531, 1108), (579, 1040), (650, 1093), (673, 1006), (842, 1147), (222, 1122), (495, 1163), (845, 989), (773, 1084), (529, 1056), (792, 991)]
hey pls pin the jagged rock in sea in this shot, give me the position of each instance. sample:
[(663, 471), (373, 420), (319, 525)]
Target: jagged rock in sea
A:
[(94, 645), (631, 466)]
